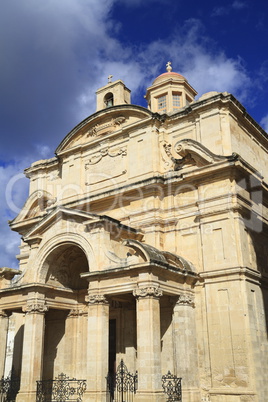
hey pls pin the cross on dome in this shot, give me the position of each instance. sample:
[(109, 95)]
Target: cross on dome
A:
[(168, 66)]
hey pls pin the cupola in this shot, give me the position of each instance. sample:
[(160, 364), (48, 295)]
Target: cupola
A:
[(112, 94), (169, 92)]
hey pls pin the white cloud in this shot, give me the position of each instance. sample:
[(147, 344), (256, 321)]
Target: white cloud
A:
[(264, 123), (44, 151), (57, 57), (13, 194), (199, 60), (137, 3), (220, 11), (239, 5)]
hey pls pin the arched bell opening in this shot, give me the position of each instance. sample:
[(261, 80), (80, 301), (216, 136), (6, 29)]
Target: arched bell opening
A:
[(64, 266), (109, 99)]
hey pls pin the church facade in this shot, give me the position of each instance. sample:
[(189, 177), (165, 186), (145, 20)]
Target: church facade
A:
[(145, 240)]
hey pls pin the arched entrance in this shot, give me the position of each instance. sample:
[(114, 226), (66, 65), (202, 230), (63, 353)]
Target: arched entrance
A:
[(64, 266), (65, 326)]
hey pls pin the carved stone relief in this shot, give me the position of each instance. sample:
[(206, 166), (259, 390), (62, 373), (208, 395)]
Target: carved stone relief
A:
[(149, 291), (105, 152), (96, 299), (106, 128), (35, 306), (185, 300), (98, 170), (191, 153)]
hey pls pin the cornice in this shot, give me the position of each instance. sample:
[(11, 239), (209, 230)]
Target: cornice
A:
[(153, 266), (192, 175), (222, 98), (230, 274)]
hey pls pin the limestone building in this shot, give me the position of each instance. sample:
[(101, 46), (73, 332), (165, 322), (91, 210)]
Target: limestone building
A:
[(145, 239)]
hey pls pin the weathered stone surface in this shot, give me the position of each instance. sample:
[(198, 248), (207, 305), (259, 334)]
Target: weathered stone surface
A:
[(145, 239)]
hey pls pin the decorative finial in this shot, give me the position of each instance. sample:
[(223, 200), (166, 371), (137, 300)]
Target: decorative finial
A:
[(110, 79), (168, 65)]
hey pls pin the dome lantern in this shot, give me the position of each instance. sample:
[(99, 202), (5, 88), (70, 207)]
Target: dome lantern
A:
[(169, 92)]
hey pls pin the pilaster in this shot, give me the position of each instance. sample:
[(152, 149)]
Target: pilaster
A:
[(149, 344), (3, 340), (33, 348), (185, 347)]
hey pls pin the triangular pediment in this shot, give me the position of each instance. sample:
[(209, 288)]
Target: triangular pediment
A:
[(89, 220), (103, 124)]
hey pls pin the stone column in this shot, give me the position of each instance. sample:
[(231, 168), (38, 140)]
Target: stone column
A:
[(149, 345), (75, 349), (70, 345), (97, 348), (185, 346), (33, 349), (3, 340)]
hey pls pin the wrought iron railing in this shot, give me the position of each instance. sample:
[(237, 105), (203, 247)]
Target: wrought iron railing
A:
[(9, 387), (172, 387), (61, 389), (122, 385)]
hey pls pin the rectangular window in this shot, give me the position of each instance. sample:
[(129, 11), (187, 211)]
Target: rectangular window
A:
[(162, 104), (176, 99)]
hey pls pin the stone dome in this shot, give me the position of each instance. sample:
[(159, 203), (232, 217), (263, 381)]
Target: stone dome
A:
[(167, 75)]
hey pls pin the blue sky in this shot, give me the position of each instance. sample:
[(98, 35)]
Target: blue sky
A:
[(56, 53)]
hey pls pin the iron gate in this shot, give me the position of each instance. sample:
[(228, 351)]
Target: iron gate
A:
[(9, 387), (172, 387), (122, 385), (61, 389)]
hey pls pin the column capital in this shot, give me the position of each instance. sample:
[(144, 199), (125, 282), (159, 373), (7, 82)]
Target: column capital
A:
[(147, 291), (35, 306), (77, 312), (3, 314), (96, 299), (185, 300)]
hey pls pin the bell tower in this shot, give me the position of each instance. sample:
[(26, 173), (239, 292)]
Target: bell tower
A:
[(113, 94), (169, 92)]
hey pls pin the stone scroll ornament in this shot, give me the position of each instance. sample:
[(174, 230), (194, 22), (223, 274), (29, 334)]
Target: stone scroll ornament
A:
[(105, 152), (77, 312), (35, 307), (191, 153), (106, 128), (96, 299), (185, 300), (150, 291)]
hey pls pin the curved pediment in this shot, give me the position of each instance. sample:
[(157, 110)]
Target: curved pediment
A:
[(153, 255), (34, 207), (192, 153), (103, 123)]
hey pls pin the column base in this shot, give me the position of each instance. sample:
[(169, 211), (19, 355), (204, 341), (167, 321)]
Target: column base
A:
[(191, 395), (26, 396), (234, 395), (95, 396), (150, 396)]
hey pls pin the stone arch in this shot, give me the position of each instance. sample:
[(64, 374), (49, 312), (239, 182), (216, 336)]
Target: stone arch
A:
[(64, 264), (56, 251), (108, 99)]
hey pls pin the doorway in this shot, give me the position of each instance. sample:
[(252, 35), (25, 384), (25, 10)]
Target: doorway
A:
[(112, 346)]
